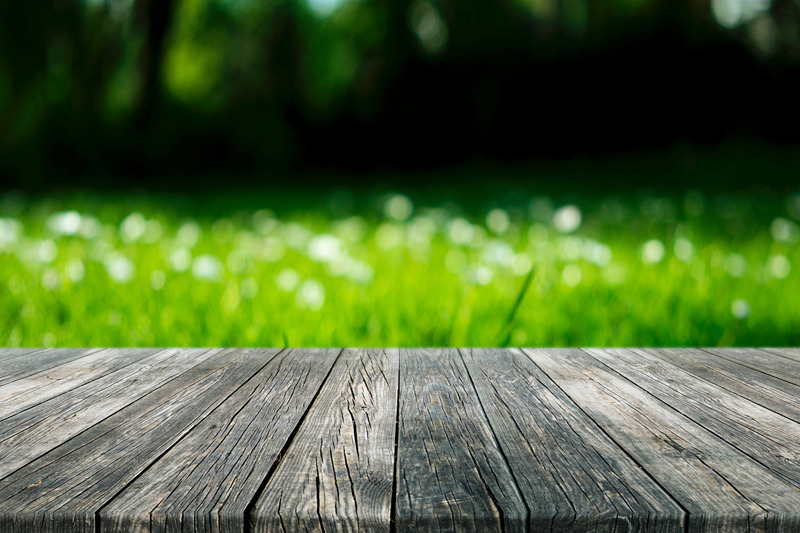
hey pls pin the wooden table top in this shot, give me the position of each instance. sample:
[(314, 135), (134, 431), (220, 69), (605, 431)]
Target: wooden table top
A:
[(252, 440)]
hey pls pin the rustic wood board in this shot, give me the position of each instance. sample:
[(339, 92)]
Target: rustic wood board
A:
[(572, 476), (10, 353), (763, 389), (451, 474), (790, 353), (206, 481), (64, 490), (36, 388), (253, 440), (32, 432), (780, 367), (25, 365), (337, 474), (722, 488), (769, 438)]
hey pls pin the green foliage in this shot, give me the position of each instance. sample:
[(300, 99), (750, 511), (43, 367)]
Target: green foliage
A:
[(392, 270), (126, 89)]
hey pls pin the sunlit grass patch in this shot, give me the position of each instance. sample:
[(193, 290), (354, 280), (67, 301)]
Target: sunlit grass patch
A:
[(688, 269)]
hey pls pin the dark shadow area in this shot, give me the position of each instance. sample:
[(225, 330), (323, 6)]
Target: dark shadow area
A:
[(149, 94)]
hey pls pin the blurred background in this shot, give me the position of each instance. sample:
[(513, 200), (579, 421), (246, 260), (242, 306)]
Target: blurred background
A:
[(106, 92), (634, 161)]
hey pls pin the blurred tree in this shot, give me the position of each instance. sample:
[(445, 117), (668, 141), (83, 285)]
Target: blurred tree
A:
[(96, 91), (154, 18)]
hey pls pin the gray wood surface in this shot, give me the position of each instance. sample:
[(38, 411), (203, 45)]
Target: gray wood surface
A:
[(573, 477), (260, 440), (26, 364), (64, 490), (780, 367), (789, 353), (25, 392), (758, 387), (722, 488), (451, 474), (10, 353), (337, 474), (769, 438), (206, 481), (30, 433)]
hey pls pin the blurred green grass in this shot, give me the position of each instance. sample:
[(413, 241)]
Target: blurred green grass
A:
[(342, 268)]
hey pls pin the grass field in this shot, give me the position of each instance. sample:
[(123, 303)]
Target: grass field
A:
[(388, 269)]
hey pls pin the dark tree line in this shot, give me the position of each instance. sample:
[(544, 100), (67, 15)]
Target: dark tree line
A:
[(102, 91)]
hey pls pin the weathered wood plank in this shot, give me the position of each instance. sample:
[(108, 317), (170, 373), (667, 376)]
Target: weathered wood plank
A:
[(10, 353), (722, 488), (572, 476), (36, 388), (769, 438), (554, 440), (763, 389), (30, 433), (24, 365), (62, 491), (790, 353), (206, 481), (451, 475), (337, 474), (779, 367)]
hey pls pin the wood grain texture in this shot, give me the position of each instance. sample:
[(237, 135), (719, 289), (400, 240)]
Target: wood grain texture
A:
[(572, 476), (206, 481), (62, 491), (567, 441), (36, 388), (789, 353), (337, 474), (10, 353), (780, 367), (722, 488), (24, 365), (769, 438), (32, 432), (763, 389), (451, 474)]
